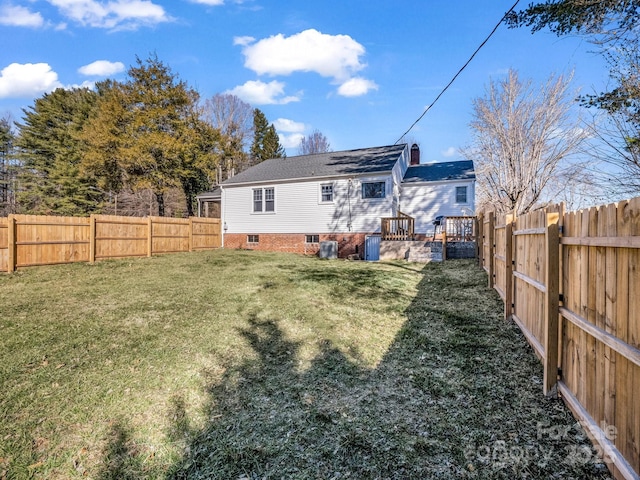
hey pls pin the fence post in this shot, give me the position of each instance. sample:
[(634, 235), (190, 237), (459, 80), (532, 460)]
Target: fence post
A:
[(191, 234), (92, 238), (479, 238), (444, 242), (149, 236), (11, 243), (508, 261), (492, 248), (551, 311)]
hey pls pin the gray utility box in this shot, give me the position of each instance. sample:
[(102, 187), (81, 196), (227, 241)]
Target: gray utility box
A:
[(328, 249)]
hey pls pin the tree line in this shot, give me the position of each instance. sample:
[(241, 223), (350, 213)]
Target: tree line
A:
[(147, 138)]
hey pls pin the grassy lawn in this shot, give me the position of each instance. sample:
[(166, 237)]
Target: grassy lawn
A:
[(243, 365)]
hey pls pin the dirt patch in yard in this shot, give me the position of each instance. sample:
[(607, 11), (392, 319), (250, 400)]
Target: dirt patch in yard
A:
[(457, 395)]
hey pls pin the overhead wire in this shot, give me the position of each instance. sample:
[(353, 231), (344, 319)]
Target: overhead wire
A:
[(459, 71)]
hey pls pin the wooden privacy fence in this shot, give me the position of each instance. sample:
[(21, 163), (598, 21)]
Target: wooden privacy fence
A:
[(29, 240), (571, 281)]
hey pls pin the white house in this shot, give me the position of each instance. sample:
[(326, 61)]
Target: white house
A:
[(438, 189), (292, 204)]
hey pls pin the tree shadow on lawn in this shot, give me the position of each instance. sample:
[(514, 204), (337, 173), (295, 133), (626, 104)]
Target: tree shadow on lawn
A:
[(457, 395), (121, 459)]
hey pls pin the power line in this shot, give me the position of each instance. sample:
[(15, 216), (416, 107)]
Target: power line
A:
[(459, 71)]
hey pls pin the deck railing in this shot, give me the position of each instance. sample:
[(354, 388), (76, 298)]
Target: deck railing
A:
[(460, 229), (398, 228)]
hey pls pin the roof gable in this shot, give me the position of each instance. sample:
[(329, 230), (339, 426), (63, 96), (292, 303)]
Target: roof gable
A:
[(331, 164), (441, 171)]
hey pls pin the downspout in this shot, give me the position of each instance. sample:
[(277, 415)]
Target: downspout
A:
[(223, 215), (349, 202)]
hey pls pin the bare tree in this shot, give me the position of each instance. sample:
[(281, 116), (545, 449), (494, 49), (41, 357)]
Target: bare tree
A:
[(523, 141), (615, 149), (315, 142), (234, 119)]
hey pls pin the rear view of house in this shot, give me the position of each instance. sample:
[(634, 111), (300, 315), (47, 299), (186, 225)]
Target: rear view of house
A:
[(293, 204)]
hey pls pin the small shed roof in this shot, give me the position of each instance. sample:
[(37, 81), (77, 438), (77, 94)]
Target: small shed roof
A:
[(332, 164), (436, 172), (215, 194)]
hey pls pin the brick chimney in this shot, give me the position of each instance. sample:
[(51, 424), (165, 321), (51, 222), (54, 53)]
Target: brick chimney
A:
[(415, 154)]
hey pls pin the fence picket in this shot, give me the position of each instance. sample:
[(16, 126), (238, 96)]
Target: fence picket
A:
[(593, 268), (28, 240)]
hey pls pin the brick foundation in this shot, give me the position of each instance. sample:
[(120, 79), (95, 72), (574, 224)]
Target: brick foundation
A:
[(348, 243)]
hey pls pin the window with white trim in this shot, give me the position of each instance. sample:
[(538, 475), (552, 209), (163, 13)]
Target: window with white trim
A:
[(253, 238), (312, 239), (257, 200), (264, 200), (326, 193), (269, 200), (373, 190), (461, 194)]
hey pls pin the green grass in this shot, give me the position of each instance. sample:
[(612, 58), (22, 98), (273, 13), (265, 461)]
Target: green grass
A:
[(233, 364)]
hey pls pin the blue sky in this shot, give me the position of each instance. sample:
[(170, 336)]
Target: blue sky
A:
[(359, 71)]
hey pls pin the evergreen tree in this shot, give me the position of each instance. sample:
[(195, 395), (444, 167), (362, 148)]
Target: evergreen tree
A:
[(147, 133), (7, 139), (104, 137), (260, 126), (157, 103), (50, 150), (200, 157), (271, 146), (266, 143)]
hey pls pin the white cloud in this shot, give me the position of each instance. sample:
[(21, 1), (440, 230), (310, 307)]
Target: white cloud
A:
[(17, 16), (86, 84), (102, 68), (289, 126), (290, 141), (27, 80), (333, 56), (209, 2), (256, 92), (243, 41), (118, 14), (449, 152), (355, 87)]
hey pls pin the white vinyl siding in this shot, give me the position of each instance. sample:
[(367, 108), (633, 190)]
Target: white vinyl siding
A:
[(426, 201), (299, 210)]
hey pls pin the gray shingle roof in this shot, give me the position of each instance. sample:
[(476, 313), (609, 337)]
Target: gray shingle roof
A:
[(331, 164), (434, 172), (215, 194)]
